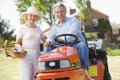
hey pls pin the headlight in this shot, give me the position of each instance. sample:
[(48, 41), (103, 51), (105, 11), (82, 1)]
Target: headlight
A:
[(64, 63), (50, 65), (41, 66)]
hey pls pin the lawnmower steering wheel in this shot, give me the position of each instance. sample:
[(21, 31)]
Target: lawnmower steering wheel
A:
[(66, 43)]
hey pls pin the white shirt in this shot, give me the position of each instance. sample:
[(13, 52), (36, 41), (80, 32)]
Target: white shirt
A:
[(71, 25), (30, 37)]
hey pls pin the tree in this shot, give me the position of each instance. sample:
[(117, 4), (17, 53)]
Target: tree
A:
[(83, 13), (45, 7), (5, 32)]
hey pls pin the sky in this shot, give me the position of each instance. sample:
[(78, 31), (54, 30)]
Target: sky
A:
[(8, 12), (108, 7)]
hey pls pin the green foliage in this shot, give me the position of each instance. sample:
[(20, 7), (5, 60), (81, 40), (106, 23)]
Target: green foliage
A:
[(45, 8), (1, 44), (8, 43), (83, 9), (83, 13), (5, 32), (91, 36), (78, 3), (115, 52), (22, 6), (104, 27), (109, 51)]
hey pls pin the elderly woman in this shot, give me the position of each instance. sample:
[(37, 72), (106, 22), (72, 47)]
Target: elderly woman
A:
[(29, 35)]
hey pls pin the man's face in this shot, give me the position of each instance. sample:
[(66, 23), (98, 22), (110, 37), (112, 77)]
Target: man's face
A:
[(60, 13)]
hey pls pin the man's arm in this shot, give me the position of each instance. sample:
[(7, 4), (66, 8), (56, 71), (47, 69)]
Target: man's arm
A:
[(75, 26)]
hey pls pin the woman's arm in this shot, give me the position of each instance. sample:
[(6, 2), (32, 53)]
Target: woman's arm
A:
[(18, 43)]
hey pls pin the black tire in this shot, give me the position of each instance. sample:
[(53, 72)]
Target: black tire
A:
[(107, 75)]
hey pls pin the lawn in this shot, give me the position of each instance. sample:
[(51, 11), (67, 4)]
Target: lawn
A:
[(9, 68)]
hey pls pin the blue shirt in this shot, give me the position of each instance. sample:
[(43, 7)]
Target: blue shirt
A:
[(71, 25)]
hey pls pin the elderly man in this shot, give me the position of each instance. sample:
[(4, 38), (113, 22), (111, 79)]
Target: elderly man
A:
[(68, 25)]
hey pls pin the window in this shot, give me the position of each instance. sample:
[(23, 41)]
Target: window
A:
[(95, 22)]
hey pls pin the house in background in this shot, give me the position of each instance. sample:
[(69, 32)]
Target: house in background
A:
[(116, 32), (93, 18), (91, 24)]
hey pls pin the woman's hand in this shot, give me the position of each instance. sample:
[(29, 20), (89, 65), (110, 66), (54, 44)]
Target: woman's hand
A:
[(19, 47)]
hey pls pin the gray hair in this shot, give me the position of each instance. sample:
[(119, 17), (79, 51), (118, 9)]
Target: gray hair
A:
[(59, 5)]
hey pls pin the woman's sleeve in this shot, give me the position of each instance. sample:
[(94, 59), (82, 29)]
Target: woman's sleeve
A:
[(19, 33)]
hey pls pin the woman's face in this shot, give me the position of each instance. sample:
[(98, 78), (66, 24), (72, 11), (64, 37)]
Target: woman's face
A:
[(60, 13), (31, 18)]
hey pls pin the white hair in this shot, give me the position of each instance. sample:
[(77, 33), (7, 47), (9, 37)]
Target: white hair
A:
[(59, 4)]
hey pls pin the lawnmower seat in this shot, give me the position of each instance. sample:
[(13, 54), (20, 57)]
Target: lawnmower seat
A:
[(95, 49), (99, 53)]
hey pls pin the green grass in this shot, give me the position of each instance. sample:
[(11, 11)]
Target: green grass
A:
[(8, 68), (115, 52)]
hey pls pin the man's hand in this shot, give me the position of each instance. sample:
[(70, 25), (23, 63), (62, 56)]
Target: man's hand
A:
[(47, 43), (60, 40)]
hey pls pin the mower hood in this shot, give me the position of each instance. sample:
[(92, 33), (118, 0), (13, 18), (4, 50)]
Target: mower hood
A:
[(64, 52)]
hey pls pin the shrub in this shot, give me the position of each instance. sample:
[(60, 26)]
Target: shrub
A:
[(115, 52)]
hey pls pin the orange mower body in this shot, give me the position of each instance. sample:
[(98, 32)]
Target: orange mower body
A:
[(63, 63)]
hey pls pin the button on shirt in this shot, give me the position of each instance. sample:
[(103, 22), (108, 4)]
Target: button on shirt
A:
[(71, 25)]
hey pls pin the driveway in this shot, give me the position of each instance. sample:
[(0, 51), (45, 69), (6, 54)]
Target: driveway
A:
[(114, 67)]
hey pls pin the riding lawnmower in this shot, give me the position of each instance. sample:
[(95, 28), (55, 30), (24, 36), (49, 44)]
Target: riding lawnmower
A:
[(63, 63)]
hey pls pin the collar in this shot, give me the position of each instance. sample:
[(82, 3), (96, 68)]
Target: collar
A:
[(57, 21)]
